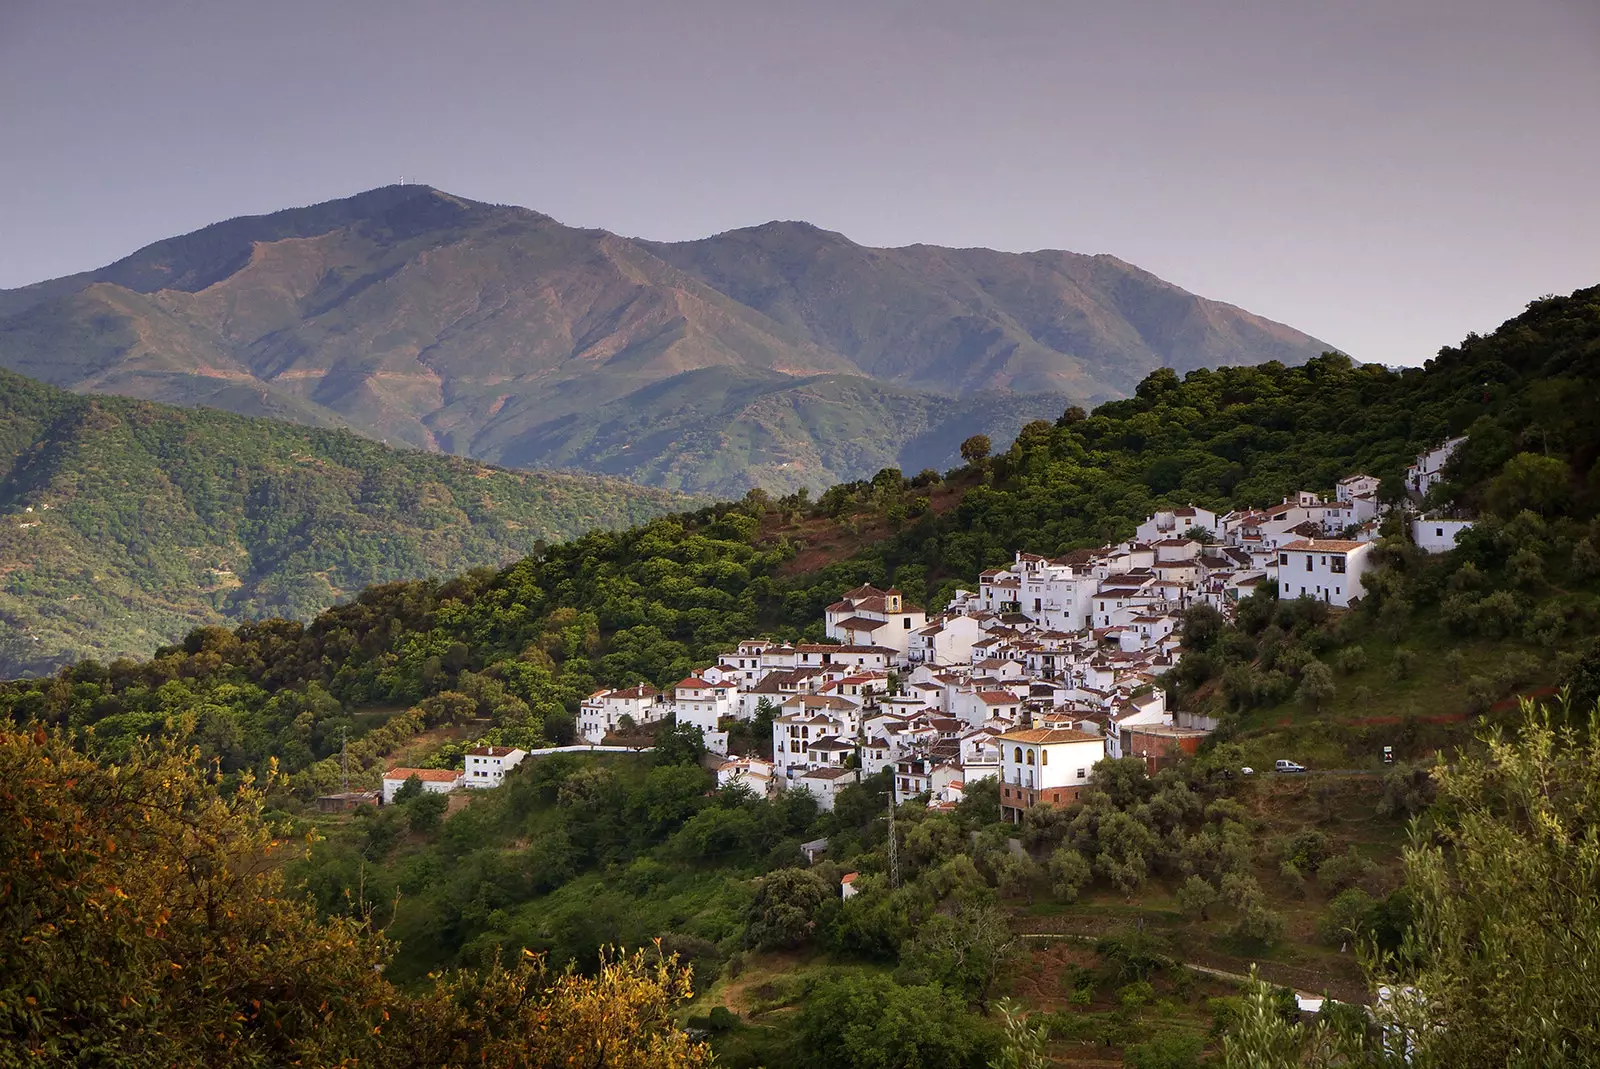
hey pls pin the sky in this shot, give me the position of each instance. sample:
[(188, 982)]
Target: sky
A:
[(1386, 175)]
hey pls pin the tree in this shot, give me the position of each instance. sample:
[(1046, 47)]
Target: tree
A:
[(870, 1022), (1316, 685), (680, 744), (1125, 848), (144, 921), (1197, 896), (965, 950), (1016, 875), (783, 913), (426, 811), (1507, 884), (1529, 481), (1024, 1045), (1069, 874), (410, 789), (975, 450)]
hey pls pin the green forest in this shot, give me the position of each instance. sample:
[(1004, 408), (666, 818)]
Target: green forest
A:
[(1085, 916), (124, 524)]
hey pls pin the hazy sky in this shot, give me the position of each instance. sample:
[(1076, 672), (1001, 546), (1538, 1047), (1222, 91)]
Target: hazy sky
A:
[(1385, 174)]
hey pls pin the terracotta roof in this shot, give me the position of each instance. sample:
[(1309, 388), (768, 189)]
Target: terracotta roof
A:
[(426, 775), (493, 751), (829, 773), (995, 697), (1323, 545), (849, 877), (861, 623), (1046, 736)]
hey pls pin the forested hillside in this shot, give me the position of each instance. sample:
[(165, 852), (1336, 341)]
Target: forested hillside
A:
[(1198, 863), (654, 601), (124, 524)]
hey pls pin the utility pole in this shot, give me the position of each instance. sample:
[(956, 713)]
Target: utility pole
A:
[(344, 760), (894, 843)]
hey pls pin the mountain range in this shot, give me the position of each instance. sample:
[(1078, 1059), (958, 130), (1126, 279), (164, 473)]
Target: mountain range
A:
[(124, 524), (781, 355)]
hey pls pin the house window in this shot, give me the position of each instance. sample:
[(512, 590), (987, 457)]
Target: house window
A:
[(1030, 757), (1044, 757), (1338, 565), (1083, 773), (1283, 558), (1439, 531), (1308, 562), (1016, 755)]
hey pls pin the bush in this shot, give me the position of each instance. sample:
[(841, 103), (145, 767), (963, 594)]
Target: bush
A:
[(1351, 660), (1345, 871), (1260, 925), (1349, 916), (1069, 874), (1134, 954), (1172, 1050)]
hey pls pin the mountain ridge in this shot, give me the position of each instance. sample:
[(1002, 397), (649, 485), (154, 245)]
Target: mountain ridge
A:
[(421, 318)]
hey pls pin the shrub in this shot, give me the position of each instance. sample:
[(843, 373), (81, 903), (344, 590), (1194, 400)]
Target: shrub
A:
[(1344, 871), (1171, 1050)]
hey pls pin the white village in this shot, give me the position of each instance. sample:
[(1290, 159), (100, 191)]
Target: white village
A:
[(1049, 666)]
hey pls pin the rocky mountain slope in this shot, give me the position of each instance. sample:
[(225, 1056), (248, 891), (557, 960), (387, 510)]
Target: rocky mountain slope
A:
[(781, 355)]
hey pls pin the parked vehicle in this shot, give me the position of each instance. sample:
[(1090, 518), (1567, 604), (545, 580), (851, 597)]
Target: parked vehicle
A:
[(1287, 766), (1247, 771)]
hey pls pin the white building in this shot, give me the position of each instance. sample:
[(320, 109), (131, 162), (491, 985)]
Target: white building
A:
[(826, 783), (1045, 766), (946, 640), (700, 702), (1328, 570), (867, 616), (601, 713), (1437, 536), (1426, 473), (434, 780), (751, 772), (487, 765), (1174, 522)]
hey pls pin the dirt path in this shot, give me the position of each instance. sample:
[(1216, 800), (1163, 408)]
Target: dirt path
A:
[(1289, 976)]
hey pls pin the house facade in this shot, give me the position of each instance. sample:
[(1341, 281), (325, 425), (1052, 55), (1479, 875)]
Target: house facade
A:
[(434, 780), (1328, 570), (1044, 766)]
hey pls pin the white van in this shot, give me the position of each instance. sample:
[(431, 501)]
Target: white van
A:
[(1287, 766)]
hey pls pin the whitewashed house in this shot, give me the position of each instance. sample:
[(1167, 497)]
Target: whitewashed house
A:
[(1427, 472), (601, 713), (867, 616), (826, 783), (751, 772), (698, 701), (1044, 766), (1437, 536), (433, 780), (487, 766), (1328, 570)]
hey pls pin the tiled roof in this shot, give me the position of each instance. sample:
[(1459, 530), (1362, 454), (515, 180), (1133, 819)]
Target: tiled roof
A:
[(426, 775), (1046, 736)]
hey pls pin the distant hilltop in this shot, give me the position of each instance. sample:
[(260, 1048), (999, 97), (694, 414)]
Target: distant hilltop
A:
[(780, 355)]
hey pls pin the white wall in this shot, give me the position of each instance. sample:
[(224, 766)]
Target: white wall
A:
[(1437, 536)]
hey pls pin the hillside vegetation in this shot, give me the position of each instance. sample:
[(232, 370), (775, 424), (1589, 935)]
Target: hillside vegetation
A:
[(125, 524), (781, 356), (1198, 863)]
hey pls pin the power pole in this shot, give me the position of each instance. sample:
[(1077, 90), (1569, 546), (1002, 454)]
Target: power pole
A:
[(894, 843), (344, 760)]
